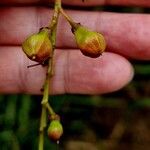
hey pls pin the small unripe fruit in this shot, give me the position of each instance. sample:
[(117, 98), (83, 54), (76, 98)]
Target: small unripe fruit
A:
[(55, 130), (91, 44), (38, 47)]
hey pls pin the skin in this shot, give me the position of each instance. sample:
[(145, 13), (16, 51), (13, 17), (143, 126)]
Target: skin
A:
[(127, 37)]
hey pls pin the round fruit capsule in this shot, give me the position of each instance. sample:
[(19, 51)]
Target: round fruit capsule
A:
[(55, 130), (91, 44), (38, 47)]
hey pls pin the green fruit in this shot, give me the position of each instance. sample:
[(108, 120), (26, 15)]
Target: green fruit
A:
[(55, 130), (91, 44), (38, 47)]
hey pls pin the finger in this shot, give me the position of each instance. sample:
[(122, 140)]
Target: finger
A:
[(80, 2), (122, 31), (74, 73)]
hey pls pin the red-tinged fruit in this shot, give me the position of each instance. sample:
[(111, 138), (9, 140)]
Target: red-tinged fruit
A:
[(55, 130), (91, 44), (38, 47)]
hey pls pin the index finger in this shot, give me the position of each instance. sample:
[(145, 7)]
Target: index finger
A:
[(145, 3), (126, 34)]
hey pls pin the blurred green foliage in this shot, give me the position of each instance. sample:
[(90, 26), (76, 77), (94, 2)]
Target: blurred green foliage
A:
[(119, 120)]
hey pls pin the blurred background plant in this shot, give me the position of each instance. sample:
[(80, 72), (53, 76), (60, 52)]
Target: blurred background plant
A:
[(115, 121)]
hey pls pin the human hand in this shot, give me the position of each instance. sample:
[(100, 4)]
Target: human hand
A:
[(127, 35)]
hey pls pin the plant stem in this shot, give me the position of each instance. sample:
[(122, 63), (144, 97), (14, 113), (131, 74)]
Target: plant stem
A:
[(41, 141), (68, 18), (49, 74), (49, 108), (53, 23), (41, 130)]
